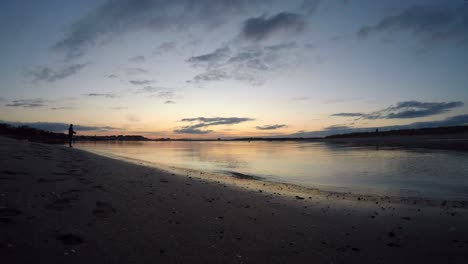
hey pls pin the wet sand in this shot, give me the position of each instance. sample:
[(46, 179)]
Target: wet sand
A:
[(61, 205)]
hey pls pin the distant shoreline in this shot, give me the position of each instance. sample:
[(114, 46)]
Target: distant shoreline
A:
[(449, 138)]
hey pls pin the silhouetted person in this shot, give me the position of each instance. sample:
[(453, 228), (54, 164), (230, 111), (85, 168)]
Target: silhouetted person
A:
[(70, 135)]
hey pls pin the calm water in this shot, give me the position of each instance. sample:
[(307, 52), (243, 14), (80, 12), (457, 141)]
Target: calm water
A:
[(424, 173)]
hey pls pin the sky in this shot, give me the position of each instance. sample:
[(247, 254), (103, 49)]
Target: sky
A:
[(225, 68)]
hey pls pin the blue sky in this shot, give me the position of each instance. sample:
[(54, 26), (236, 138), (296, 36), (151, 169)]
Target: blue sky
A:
[(225, 68)]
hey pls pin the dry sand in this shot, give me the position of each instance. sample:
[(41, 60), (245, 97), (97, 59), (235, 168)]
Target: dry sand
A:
[(61, 205)]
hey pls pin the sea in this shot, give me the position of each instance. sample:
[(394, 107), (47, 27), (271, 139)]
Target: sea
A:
[(400, 172)]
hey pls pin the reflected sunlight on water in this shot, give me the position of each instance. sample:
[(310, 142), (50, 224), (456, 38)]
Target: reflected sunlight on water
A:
[(426, 173)]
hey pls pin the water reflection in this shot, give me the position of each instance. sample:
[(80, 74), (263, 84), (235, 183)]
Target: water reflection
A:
[(441, 174)]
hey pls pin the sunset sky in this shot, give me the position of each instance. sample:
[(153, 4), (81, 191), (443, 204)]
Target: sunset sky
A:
[(221, 68)]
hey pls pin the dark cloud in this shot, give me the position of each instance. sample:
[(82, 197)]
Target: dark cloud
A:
[(431, 23), (211, 75), (116, 17), (309, 6), (212, 57), (203, 122), (167, 46), (349, 114), (407, 109), (169, 102), (51, 75), (137, 59), (27, 103), (270, 127), (111, 76), (59, 127), (141, 82), (188, 130), (106, 95), (246, 64), (260, 28)]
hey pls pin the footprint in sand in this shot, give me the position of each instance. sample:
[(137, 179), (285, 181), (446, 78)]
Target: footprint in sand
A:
[(70, 239), (104, 209)]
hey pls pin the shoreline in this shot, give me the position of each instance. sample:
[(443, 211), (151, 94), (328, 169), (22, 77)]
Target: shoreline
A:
[(62, 205), (288, 189)]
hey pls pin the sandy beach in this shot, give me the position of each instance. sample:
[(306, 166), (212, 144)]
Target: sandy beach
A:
[(62, 205)]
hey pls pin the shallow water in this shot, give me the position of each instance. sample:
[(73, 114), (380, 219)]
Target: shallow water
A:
[(401, 172)]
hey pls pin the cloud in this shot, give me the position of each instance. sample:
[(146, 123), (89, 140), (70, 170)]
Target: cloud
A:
[(247, 64), (211, 75), (62, 108), (309, 6), (51, 75), (118, 108), (141, 82), (348, 114), (166, 47), (165, 94), (212, 57), (169, 102), (188, 130), (116, 17), (203, 122), (154, 91), (262, 27), (111, 76), (106, 95), (58, 127), (137, 59), (431, 23), (136, 71), (27, 103), (270, 127), (407, 109)]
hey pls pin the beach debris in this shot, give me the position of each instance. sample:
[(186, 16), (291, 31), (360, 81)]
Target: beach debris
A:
[(299, 197)]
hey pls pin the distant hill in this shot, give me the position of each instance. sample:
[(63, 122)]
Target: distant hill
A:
[(406, 132)]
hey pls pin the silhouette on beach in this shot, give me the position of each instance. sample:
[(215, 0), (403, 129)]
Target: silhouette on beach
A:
[(70, 135)]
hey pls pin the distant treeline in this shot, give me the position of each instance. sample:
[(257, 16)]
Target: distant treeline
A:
[(32, 134), (38, 135), (406, 132)]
